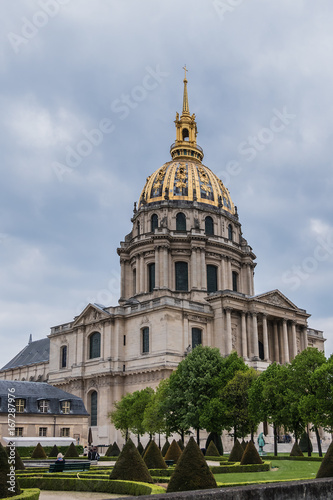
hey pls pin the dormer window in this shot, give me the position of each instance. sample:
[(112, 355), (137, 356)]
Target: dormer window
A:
[(43, 406), (20, 405), (66, 407)]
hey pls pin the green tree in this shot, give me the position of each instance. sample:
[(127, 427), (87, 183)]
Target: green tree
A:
[(304, 387), (121, 415), (154, 421), (235, 404), (139, 402), (267, 398)]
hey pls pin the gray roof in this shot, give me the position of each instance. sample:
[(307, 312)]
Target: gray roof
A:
[(33, 392), (35, 352)]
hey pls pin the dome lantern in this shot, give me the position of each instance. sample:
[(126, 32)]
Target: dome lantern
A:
[(186, 146)]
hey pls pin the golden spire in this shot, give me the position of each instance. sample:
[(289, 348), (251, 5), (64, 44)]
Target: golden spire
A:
[(186, 109), (185, 145)]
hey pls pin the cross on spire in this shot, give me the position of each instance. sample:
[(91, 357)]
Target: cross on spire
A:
[(184, 68)]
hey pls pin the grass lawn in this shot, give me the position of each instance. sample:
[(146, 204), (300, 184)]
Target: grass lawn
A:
[(286, 470)]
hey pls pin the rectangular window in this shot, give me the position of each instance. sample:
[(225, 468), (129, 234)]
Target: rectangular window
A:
[(196, 337), (20, 405), (124, 340), (134, 281), (151, 277), (181, 269), (64, 432), (43, 406), (43, 431), (66, 406), (19, 431), (211, 279), (234, 281), (145, 340), (63, 356)]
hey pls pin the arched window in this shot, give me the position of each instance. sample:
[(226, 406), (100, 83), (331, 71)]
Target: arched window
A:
[(145, 340), (151, 277), (138, 228), (63, 356), (93, 409), (185, 134), (181, 271), (234, 281), (196, 337), (211, 279), (154, 222), (230, 232), (209, 226), (95, 345), (180, 222), (261, 350)]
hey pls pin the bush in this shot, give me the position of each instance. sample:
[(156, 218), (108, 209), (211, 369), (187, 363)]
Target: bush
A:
[(212, 451), (14, 457), (251, 455), (153, 457), (296, 451), (216, 438), (174, 452), (130, 465), (54, 452), (326, 467), (113, 450), (240, 469), (236, 452), (71, 452), (27, 494), (192, 471), (26, 451), (165, 448), (38, 452), (243, 444), (141, 449), (305, 443), (5, 470)]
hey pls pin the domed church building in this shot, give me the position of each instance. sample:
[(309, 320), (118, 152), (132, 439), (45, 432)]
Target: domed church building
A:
[(186, 279)]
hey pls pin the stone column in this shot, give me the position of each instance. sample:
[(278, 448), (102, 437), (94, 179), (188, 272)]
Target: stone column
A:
[(203, 270), (223, 285), (249, 280), (255, 337), (165, 268), (142, 274), (285, 341), (122, 278), (304, 337), (276, 343), (229, 276), (228, 331), (157, 267), (244, 336), (138, 273), (194, 268), (294, 338), (265, 337)]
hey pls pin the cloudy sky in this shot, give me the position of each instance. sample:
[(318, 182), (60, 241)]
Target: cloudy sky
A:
[(89, 92)]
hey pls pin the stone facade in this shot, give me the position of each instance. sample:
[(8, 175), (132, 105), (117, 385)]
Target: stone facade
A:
[(186, 278)]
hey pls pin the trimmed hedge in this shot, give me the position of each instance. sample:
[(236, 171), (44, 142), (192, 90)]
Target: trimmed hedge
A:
[(27, 494), (237, 468), (26, 451), (96, 486), (302, 459)]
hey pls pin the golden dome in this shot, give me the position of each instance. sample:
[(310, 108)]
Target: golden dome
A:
[(185, 178), (187, 181)]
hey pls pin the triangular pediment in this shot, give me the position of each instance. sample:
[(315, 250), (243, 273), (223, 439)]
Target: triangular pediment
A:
[(276, 298), (91, 314)]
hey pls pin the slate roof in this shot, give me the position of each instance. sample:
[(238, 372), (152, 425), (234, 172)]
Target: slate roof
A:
[(35, 352), (33, 392)]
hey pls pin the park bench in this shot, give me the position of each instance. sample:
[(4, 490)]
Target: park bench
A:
[(69, 466)]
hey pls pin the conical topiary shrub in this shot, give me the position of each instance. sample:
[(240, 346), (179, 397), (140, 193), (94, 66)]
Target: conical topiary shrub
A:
[(71, 452), (236, 452), (165, 448), (243, 444), (109, 449), (296, 451), (15, 458), (174, 452), (130, 465), (11, 488), (38, 452), (192, 471), (212, 451), (153, 457), (251, 455), (326, 466), (181, 444), (115, 450), (54, 452), (216, 438), (140, 448), (146, 447), (305, 443)]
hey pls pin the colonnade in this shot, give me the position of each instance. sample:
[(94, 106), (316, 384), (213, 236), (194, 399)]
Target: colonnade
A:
[(279, 336)]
